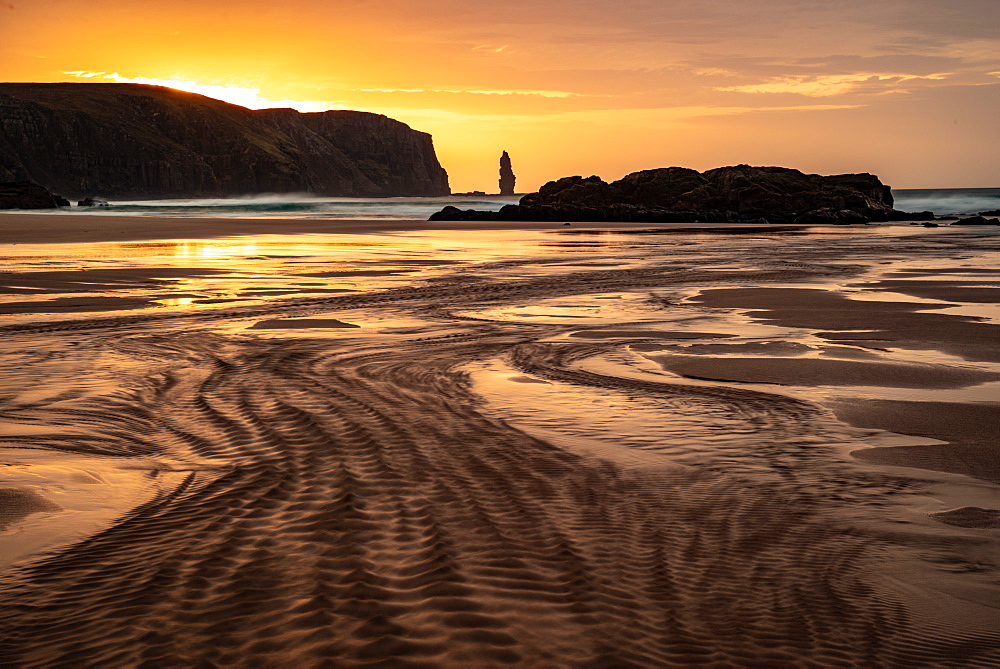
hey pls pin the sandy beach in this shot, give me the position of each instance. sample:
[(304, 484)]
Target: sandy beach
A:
[(405, 444), (66, 228)]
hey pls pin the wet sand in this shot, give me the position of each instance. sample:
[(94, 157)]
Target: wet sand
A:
[(970, 430), (824, 372), (30, 228), (496, 447)]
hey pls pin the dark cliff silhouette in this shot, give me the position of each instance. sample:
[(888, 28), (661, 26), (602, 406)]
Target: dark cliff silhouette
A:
[(507, 177), (133, 140)]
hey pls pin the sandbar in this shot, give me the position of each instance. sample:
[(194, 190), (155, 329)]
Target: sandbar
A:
[(823, 372)]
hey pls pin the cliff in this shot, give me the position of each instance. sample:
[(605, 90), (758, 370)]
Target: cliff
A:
[(137, 141)]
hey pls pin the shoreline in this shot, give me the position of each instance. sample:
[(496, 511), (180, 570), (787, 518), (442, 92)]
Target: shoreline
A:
[(57, 228), (23, 228)]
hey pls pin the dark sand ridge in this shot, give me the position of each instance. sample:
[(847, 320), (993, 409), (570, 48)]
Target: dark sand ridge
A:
[(294, 291), (58, 281), (352, 502), (823, 372), (946, 270), (300, 323), (63, 280), (971, 430), (876, 324), (954, 290), (765, 348), (647, 334), (142, 279), (74, 304), (17, 504), (750, 348)]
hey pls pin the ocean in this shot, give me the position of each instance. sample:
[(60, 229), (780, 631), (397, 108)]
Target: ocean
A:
[(294, 206), (942, 201), (947, 201)]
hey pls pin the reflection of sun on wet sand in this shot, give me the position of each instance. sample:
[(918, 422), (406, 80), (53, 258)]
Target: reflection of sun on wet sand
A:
[(475, 457)]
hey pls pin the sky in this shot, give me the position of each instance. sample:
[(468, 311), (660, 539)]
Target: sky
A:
[(905, 89)]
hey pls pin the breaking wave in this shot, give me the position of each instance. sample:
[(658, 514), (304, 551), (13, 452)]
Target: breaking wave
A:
[(945, 201), (294, 206)]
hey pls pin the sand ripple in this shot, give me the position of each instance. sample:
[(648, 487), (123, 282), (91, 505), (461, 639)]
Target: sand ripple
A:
[(352, 502)]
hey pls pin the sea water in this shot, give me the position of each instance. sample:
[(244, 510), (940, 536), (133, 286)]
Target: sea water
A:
[(945, 201), (294, 206), (941, 201)]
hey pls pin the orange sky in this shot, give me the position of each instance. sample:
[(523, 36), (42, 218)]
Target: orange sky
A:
[(906, 89)]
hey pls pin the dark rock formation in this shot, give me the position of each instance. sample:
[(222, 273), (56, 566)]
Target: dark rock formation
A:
[(740, 194), (27, 195), (451, 213), (991, 212), (507, 177), (977, 220), (740, 189), (136, 141), (896, 215), (91, 202)]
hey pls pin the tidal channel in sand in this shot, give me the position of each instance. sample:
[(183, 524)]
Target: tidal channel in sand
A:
[(352, 444)]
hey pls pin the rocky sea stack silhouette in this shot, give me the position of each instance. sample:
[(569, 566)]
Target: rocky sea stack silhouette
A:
[(507, 177), (136, 141)]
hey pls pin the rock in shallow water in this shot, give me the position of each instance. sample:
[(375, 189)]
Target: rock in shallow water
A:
[(977, 220), (740, 194), (28, 195)]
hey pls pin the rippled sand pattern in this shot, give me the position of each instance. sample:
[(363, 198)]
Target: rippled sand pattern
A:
[(351, 499)]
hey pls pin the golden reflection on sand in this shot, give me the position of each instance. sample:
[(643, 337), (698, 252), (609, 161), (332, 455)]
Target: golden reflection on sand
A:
[(177, 301), (207, 250)]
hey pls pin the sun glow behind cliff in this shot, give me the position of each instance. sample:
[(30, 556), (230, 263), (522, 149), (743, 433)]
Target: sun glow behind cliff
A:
[(243, 96)]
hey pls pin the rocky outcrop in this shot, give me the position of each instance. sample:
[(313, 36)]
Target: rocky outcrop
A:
[(740, 194), (507, 177), (27, 195), (741, 189), (136, 141), (977, 220)]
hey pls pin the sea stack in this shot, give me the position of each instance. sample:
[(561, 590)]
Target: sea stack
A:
[(507, 177)]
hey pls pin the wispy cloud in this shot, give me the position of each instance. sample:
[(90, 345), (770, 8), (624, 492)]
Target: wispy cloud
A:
[(239, 95), (826, 86), (487, 91)]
